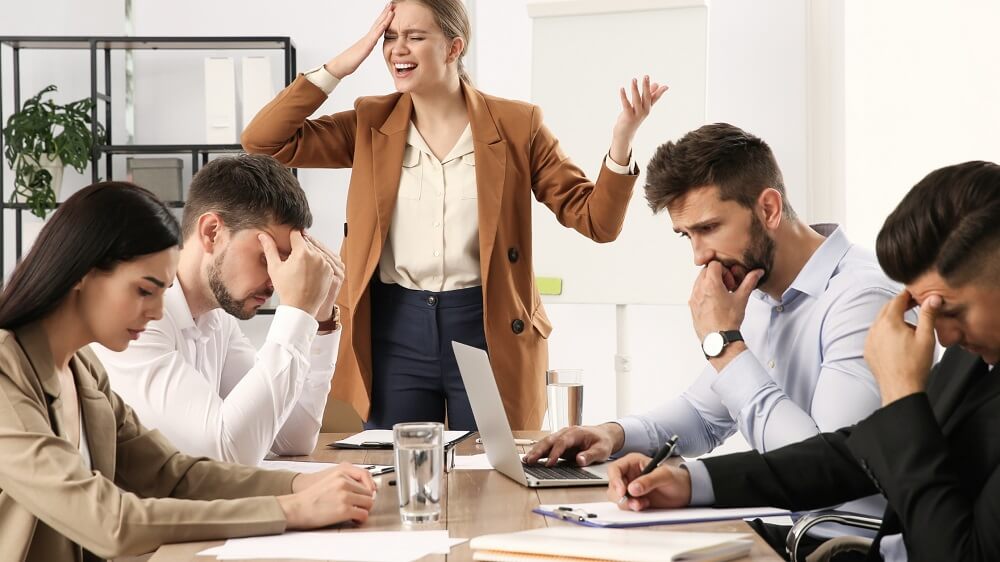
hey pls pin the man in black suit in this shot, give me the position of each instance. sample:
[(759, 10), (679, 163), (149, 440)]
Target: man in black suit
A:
[(933, 449)]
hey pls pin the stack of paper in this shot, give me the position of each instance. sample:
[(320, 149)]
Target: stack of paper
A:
[(608, 514), (576, 544), (306, 466), (374, 546)]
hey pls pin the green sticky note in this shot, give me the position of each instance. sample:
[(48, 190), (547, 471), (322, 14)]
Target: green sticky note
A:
[(549, 285)]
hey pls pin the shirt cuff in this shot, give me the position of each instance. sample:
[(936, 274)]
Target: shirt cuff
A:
[(631, 170), (640, 437), (322, 79), (292, 327), (739, 381), (323, 354), (702, 491)]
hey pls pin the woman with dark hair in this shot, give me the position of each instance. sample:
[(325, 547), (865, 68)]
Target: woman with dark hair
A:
[(80, 475)]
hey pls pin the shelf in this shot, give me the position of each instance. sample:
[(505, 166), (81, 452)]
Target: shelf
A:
[(164, 43), (24, 206), (167, 148), (199, 153)]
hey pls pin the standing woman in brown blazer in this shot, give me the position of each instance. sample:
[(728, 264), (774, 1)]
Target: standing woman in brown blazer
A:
[(80, 477), (437, 243)]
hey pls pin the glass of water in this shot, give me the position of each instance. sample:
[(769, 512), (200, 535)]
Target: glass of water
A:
[(565, 397), (419, 452)]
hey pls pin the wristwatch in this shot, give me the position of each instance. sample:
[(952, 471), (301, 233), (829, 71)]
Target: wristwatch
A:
[(715, 342)]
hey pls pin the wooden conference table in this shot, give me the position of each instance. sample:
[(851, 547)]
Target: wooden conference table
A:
[(475, 502)]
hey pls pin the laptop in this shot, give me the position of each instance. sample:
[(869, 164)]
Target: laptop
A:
[(494, 430)]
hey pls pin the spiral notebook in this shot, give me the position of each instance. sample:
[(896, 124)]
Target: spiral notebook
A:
[(573, 544), (607, 514)]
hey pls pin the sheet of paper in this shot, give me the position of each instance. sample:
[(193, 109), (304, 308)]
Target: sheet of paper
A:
[(633, 545), (303, 466), (474, 462), (384, 436), (374, 546), (608, 512)]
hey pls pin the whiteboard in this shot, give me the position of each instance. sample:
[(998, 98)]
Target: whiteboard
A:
[(582, 52)]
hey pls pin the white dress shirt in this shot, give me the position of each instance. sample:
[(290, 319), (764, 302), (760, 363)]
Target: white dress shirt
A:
[(205, 387), (433, 239)]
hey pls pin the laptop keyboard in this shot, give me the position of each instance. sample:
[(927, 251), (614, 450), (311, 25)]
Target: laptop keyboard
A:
[(559, 472)]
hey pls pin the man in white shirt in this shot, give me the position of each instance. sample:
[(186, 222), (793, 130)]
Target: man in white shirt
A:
[(192, 374)]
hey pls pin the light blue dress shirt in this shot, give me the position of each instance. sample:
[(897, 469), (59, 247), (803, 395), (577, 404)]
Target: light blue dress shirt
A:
[(803, 372)]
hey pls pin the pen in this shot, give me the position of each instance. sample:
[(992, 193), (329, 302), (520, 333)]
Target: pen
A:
[(654, 462)]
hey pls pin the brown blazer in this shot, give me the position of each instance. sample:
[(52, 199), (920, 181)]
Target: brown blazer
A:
[(517, 158), (52, 507)]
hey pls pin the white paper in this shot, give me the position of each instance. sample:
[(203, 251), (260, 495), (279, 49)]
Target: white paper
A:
[(609, 513), (307, 467), (374, 546), (632, 545), (384, 437), (474, 462)]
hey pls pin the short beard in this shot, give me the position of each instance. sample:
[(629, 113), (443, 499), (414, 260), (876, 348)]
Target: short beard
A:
[(760, 253), (223, 297)]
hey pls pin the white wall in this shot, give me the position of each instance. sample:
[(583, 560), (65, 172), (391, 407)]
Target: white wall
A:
[(922, 96)]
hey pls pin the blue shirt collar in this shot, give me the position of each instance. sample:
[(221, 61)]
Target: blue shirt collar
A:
[(814, 277)]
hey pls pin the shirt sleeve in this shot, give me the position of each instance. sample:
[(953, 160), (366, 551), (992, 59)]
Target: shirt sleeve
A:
[(322, 78), (702, 492), (697, 417), (300, 432), (45, 475), (845, 389), (236, 422)]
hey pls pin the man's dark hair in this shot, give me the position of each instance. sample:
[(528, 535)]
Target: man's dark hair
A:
[(246, 191), (949, 222), (740, 164)]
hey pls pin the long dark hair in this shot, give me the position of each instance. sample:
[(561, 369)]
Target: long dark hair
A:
[(100, 226)]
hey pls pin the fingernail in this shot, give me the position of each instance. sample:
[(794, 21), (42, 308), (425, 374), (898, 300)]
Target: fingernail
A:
[(635, 489)]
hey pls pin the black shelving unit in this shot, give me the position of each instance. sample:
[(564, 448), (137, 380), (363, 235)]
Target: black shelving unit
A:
[(100, 50)]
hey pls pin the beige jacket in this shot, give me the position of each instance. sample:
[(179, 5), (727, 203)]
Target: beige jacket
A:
[(517, 160), (139, 493)]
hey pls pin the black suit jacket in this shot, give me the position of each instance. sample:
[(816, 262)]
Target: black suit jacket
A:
[(934, 455)]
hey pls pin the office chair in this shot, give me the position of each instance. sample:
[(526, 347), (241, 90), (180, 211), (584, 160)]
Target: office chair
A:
[(802, 526)]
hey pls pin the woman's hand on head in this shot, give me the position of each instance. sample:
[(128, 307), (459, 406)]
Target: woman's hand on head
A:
[(347, 62)]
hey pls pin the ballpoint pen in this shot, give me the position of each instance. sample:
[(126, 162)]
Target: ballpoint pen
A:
[(664, 452)]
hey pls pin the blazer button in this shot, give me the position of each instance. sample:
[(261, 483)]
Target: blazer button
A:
[(512, 255), (517, 326)]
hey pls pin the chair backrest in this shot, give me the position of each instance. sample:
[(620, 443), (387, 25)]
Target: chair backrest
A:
[(340, 417)]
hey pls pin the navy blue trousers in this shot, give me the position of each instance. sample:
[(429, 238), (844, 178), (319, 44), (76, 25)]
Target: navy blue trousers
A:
[(414, 373)]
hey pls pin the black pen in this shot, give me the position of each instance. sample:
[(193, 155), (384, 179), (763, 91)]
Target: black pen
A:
[(664, 452)]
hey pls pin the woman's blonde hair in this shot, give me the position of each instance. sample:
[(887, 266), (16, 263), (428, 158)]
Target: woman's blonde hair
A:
[(453, 19)]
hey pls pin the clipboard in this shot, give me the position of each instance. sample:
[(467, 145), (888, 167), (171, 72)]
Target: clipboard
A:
[(607, 515), (382, 439)]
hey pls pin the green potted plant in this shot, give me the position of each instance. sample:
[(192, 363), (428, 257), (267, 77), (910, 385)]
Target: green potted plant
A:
[(40, 141)]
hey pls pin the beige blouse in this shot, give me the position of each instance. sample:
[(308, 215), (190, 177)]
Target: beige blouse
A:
[(433, 239)]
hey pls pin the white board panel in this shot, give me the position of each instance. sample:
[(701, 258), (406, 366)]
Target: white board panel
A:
[(579, 60)]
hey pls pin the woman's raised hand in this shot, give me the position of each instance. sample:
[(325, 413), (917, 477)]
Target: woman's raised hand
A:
[(634, 112), (347, 62)]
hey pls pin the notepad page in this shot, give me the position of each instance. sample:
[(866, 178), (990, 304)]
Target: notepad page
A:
[(576, 544)]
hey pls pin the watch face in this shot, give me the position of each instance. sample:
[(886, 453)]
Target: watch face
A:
[(713, 344)]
